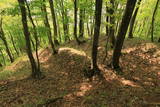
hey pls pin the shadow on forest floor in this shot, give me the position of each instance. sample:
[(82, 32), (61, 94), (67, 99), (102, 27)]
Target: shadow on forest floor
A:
[(137, 87)]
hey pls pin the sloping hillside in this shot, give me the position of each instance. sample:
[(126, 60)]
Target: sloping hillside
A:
[(66, 86)]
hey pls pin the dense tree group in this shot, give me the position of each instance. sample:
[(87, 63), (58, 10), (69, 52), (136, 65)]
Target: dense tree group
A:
[(28, 25)]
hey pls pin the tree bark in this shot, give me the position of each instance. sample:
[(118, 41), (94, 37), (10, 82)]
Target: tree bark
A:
[(54, 22), (35, 72), (81, 22), (107, 20), (47, 25), (98, 12), (122, 32), (35, 35)]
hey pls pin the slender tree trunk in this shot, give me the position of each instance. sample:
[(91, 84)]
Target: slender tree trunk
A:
[(88, 30), (3, 38), (153, 18), (47, 25), (122, 32), (35, 35), (75, 22), (35, 71), (54, 22), (98, 12), (107, 20), (132, 22), (81, 22)]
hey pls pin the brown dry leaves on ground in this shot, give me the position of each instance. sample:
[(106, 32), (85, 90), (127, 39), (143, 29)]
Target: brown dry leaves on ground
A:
[(139, 86)]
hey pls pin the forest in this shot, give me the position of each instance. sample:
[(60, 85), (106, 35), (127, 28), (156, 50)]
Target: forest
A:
[(79, 53)]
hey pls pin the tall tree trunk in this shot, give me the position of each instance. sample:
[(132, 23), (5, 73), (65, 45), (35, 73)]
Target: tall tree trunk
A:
[(35, 34), (35, 71), (98, 12), (54, 22), (75, 22), (3, 38), (81, 22), (122, 32), (107, 20), (88, 30), (47, 25), (132, 22), (153, 18)]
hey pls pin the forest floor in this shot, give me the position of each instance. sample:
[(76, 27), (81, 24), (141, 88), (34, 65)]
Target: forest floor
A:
[(66, 86)]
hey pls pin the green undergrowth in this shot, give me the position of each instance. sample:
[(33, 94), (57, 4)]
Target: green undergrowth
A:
[(19, 69)]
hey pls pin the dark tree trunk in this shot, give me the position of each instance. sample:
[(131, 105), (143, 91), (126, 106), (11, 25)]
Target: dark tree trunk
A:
[(81, 22), (47, 25), (153, 18), (35, 71), (122, 32), (35, 35), (107, 27), (54, 22), (132, 22), (88, 30), (75, 22), (98, 12), (13, 43), (3, 38), (107, 20)]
